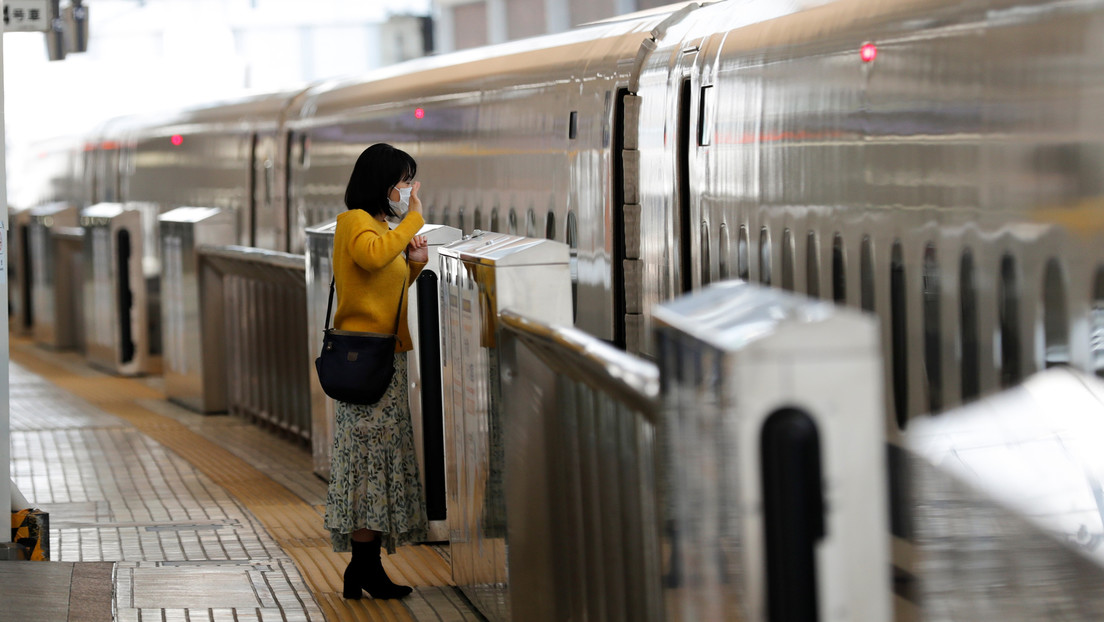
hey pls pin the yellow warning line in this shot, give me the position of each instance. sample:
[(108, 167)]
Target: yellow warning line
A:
[(293, 523)]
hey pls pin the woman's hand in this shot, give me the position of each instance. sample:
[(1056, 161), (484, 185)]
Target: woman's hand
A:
[(418, 249), (415, 202)]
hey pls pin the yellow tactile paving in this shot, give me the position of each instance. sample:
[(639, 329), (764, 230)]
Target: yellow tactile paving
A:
[(293, 523)]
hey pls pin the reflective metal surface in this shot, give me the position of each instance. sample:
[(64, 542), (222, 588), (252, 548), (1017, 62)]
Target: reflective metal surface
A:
[(426, 386), (319, 271), (20, 299), (122, 288), (580, 476), (947, 183), (253, 302), (428, 442), (1007, 503), (473, 292), (519, 138), (57, 275), (774, 458), (223, 156), (190, 375)]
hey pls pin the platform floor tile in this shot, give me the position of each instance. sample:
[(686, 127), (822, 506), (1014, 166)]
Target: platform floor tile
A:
[(207, 518)]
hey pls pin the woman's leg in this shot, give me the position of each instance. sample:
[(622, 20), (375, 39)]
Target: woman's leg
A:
[(366, 572)]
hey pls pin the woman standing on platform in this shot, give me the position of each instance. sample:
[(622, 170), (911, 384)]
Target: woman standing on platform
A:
[(375, 495)]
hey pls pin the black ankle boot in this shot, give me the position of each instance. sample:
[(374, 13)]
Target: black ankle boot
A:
[(366, 572)]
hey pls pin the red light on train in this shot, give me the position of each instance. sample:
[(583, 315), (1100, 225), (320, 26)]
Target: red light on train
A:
[(177, 140), (868, 52), (419, 113)]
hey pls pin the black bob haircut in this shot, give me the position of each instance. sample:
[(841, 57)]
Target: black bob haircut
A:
[(378, 169)]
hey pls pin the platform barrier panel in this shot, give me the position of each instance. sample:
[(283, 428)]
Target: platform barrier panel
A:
[(56, 246), (481, 276), (772, 437), (1006, 503), (188, 380), (254, 302), (580, 476)]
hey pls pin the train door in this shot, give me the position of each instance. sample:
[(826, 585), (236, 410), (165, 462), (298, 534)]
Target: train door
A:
[(686, 94), (263, 227)]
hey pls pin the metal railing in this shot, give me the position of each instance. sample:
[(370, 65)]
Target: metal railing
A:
[(259, 312), (581, 476)]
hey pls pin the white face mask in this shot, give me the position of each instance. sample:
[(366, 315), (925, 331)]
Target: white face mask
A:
[(403, 203)]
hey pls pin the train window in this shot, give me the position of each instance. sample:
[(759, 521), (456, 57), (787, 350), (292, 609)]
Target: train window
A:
[(971, 350), (477, 221), (511, 222), (743, 261), (764, 256), (460, 224), (812, 266), (722, 251), (705, 259), (707, 111), (1096, 339), (899, 332), (550, 226), (531, 224), (787, 260), (839, 281), (494, 220), (573, 125), (866, 274), (932, 330), (1055, 326), (1008, 296), (446, 217)]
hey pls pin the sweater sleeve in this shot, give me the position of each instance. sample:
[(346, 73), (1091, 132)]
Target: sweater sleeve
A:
[(372, 250), (415, 270)]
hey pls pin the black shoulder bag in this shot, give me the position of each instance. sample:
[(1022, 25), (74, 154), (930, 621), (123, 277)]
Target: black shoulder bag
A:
[(356, 367)]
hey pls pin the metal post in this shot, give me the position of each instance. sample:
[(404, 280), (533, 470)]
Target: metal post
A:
[(5, 419)]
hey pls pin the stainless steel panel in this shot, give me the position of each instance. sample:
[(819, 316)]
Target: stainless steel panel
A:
[(1006, 503), (53, 281), (190, 378), (254, 302), (121, 288), (20, 298), (427, 440), (472, 295), (580, 476), (734, 358), (319, 271)]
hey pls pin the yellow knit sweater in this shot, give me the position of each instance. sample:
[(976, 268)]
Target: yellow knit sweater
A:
[(370, 272)]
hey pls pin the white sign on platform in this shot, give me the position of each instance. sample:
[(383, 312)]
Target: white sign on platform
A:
[(26, 15)]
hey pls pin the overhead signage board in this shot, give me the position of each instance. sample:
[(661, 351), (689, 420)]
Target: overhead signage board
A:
[(26, 15)]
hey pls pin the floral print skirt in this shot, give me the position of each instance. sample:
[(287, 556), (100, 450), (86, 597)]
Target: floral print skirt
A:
[(374, 480)]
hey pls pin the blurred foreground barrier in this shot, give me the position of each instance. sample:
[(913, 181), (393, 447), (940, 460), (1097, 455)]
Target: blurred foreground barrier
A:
[(253, 302), (581, 476), (774, 455), (481, 276), (1008, 503)]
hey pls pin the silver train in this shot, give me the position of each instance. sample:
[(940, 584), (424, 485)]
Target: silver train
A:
[(935, 163)]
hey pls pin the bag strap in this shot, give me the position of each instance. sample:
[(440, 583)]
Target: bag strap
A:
[(398, 312)]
